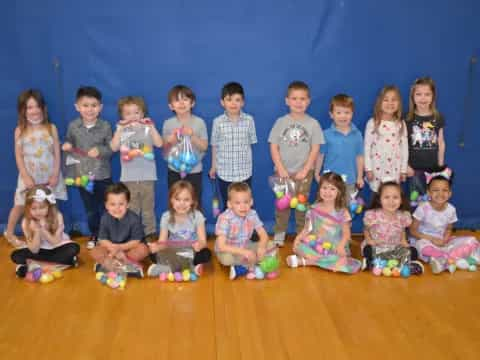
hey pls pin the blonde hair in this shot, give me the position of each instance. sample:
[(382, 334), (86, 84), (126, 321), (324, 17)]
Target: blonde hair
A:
[(52, 215), (377, 110), (131, 100), (342, 100), (337, 181), (428, 81), (176, 188)]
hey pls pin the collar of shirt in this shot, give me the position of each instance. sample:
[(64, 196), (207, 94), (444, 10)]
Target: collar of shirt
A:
[(241, 117), (353, 130)]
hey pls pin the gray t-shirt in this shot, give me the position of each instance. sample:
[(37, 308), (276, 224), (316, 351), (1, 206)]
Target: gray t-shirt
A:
[(199, 129), (182, 234), (139, 168), (295, 139)]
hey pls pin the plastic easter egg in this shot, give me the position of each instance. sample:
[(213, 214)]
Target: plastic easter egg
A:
[(383, 263), (186, 275), (162, 277), (259, 274), (392, 263), (122, 284), (377, 271), (37, 273), (57, 274), (269, 264), (312, 243), (452, 268), (170, 276), (283, 203), (405, 272), (84, 180), (302, 199), (414, 195), (359, 209), (78, 181), (149, 156), (98, 275), (472, 268), (395, 272), (327, 245), (104, 279), (89, 187), (69, 181), (312, 237), (193, 277), (301, 207), (46, 278), (294, 202), (178, 276), (110, 281), (279, 194), (147, 149), (353, 207), (111, 275), (387, 271), (29, 277), (124, 149), (272, 275)]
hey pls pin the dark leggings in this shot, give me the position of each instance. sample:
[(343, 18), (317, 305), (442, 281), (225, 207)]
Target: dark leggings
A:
[(63, 254), (367, 253)]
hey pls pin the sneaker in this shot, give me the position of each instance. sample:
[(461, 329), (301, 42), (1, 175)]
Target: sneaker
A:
[(279, 239), (134, 271), (364, 264), (294, 261), (21, 270), (438, 265), (98, 268), (14, 241), (236, 271), (92, 242), (251, 275), (416, 267), (462, 264), (198, 269), (75, 261)]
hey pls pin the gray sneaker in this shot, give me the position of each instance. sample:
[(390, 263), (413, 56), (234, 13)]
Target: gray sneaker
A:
[(438, 265), (279, 239)]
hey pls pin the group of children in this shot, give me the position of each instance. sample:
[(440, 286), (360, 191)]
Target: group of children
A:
[(392, 151)]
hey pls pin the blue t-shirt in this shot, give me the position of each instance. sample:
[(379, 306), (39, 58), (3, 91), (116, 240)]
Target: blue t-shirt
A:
[(341, 150)]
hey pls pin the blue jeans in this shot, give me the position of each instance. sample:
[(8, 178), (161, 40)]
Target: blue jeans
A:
[(94, 203), (418, 182)]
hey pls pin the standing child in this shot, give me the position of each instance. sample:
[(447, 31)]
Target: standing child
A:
[(43, 227), (386, 146), (329, 221), (37, 153), (181, 100), (233, 134), (342, 152), (92, 135), (140, 172), (121, 232), (385, 223), (432, 228), (182, 244), (234, 230), (294, 143), (425, 134)]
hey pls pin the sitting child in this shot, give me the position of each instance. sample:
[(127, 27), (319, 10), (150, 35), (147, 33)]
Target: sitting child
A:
[(385, 225), (234, 230), (42, 225), (121, 232), (182, 244), (431, 229), (326, 230)]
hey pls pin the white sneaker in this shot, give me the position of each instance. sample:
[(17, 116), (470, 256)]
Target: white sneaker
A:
[(462, 264), (294, 261), (438, 265), (279, 239)]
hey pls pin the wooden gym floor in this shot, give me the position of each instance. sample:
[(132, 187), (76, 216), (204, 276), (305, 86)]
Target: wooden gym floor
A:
[(305, 314)]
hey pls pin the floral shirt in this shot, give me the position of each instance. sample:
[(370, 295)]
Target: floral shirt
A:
[(386, 230)]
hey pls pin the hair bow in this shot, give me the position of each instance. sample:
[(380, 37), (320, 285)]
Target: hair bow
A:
[(41, 195), (445, 173)]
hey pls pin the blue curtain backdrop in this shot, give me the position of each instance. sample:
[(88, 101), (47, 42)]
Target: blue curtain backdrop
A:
[(146, 47)]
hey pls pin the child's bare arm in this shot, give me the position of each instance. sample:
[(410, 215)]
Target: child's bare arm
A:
[(277, 161), (419, 235)]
